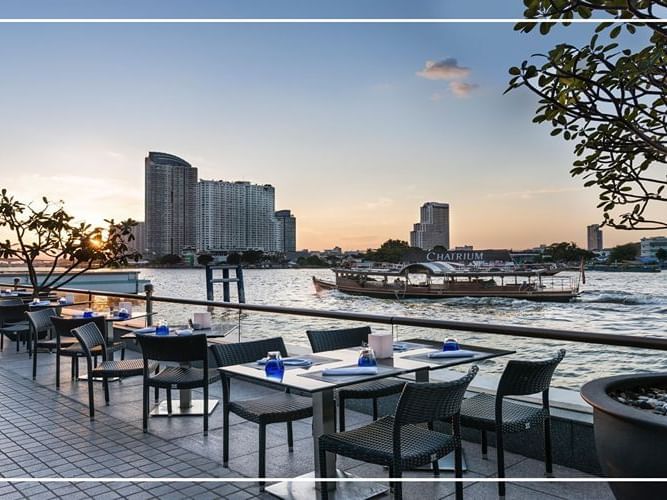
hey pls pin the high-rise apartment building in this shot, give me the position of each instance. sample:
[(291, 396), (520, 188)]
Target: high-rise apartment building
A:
[(138, 244), (433, 228), (594, 237), (171, 204), (236, 216), (286, 231)]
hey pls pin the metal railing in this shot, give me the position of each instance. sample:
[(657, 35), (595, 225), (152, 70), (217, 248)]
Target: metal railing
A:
[(647, 342)]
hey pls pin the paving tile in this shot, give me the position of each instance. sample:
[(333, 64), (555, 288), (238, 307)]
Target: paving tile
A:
[(46, 433)]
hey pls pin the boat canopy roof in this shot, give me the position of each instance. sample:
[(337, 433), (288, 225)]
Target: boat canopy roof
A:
[(431, 268), (437, 269)]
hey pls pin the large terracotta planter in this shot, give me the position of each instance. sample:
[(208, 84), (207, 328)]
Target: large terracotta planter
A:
[(630, 443)]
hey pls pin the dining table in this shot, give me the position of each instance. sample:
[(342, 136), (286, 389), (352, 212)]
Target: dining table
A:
[(185, 406), (410, 358)]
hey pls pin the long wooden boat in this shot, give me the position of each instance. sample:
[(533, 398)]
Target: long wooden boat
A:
[(437, 280)]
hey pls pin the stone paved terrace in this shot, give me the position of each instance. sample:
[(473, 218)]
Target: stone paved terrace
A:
[(46, 433)]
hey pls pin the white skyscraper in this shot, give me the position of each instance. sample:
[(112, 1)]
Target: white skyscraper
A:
[(236, 216), (433, 228)]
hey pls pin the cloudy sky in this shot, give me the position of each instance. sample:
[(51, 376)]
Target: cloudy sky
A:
[(356, 125)]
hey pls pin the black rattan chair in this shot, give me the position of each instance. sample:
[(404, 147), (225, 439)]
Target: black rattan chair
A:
[(90, 338), (330, 340), (277, 408), (69, 346), (13, 323), (491, 413), (41, 333), (401, 442), (184, 350)]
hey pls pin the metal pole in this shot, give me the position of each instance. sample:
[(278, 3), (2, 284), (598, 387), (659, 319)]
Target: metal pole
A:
[(209, 282), (148, 288), (240, 284)]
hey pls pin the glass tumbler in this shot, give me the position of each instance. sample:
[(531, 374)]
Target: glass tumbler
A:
[(274, 367)]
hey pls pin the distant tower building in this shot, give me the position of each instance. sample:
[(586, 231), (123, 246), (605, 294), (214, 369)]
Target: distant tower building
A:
[(433, 227), (171, 204), (138, 244), (594, 237), (236, 216), (286, 231)]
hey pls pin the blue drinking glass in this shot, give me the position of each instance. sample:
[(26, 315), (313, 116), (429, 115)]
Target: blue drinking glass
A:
[(162, 328), (367, 357), (88, 314), (274, 367), (450, 345)]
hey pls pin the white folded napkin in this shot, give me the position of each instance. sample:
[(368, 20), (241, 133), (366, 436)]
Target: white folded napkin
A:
[(40, 303), (351, 370), (187, 331), (289, 361), (461, 353), (148, 329), (399, 346)]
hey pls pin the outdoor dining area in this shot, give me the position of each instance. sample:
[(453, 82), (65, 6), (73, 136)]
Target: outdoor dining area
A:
[(359, 403)]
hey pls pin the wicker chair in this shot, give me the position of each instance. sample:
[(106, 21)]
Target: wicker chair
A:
[(90, 338), (277, 408), (330, 340), (13, 323), (69, 346), (401, 441), (490, 413), (183, 350), (41, 333)]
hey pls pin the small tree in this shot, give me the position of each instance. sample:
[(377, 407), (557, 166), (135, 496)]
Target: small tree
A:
[(619, 253), (49, 233), (204, 259), (567, 252), (609, 101), (171, 259), (389, 251)]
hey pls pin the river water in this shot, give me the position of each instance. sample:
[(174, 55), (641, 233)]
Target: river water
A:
[(624, 303)]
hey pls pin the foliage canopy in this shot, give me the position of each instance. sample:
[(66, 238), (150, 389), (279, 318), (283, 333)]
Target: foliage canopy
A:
[(610, 101), (48, 233)]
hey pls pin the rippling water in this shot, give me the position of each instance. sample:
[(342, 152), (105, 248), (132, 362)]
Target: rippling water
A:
[(626, 303)]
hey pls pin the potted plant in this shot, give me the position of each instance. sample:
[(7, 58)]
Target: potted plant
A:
[(631, 431)]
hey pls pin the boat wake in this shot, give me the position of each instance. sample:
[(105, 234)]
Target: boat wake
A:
[(619, 297)]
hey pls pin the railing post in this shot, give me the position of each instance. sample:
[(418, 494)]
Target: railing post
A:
[(225, 284), (148, 288), (240, 285)]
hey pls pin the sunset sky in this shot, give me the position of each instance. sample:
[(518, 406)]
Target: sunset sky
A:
[(356, 125)]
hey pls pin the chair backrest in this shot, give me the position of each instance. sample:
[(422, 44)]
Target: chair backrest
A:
[(174, 348), (330, 340), (428, 402), (13, 313), (64, 326), (40, 321), (90, 336), (521, 378), (246, 352)]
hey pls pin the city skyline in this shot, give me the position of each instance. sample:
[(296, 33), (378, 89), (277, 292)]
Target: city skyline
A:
[(353, 145)]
